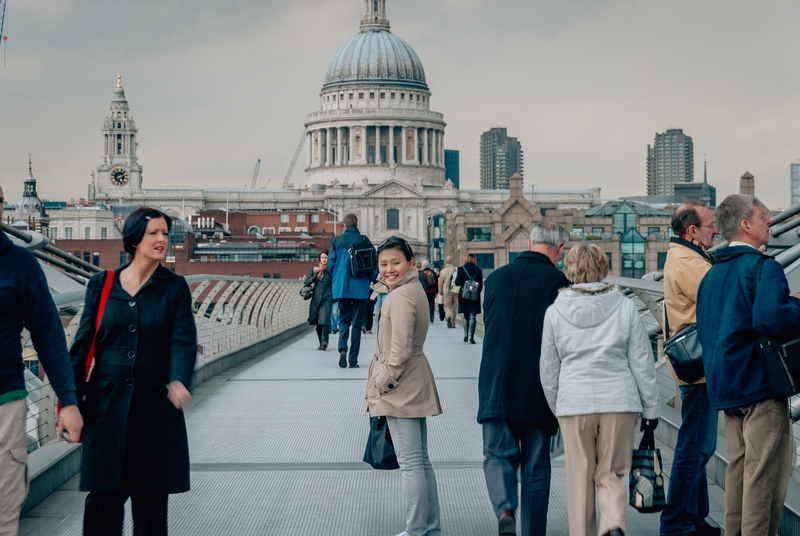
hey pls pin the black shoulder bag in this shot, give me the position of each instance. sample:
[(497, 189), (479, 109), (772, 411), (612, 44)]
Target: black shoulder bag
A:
[(684, 351), (781, 357)]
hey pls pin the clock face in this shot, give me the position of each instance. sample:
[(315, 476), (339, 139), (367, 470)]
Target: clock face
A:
[(119, 176)]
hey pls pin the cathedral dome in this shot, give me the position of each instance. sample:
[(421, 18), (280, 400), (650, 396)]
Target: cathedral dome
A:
[(375, 56)]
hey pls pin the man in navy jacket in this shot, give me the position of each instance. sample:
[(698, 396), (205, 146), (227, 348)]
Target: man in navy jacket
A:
[(730, 320), (25, 301), (351, 293)]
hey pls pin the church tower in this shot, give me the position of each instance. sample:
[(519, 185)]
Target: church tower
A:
[(119, 174)]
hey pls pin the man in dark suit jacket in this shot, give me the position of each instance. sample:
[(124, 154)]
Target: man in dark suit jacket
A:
[(512, 409)]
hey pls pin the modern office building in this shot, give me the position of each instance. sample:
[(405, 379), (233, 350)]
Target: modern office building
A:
[(451, 165), (501, 157), (698, 191), (794, 174), (669, 161)]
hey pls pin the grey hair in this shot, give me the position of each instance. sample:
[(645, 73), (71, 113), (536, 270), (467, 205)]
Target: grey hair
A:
[(549, 233), (426, 264), (448, 259), (730, 213)]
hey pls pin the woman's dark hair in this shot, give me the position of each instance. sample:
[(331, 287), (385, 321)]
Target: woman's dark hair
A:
[(321, 253), (471, 259), (136, 225), (395, 242)]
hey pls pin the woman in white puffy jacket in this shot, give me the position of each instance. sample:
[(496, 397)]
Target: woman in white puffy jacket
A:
[(598, 374)]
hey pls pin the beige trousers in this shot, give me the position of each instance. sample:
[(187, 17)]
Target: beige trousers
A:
[(759, 439), (13, 465), (451, 307), (598, 449)]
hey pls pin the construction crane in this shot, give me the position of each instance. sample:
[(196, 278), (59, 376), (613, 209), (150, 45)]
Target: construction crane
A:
[(300, 143), (255, 175), (2, 25)]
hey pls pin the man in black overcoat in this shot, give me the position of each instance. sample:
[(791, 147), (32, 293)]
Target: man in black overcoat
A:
[(516, 420)]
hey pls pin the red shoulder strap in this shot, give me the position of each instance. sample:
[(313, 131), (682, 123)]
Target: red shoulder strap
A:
[(100, 310)]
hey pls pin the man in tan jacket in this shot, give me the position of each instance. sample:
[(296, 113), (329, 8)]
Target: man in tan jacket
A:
[(687, 263), (450, 298)]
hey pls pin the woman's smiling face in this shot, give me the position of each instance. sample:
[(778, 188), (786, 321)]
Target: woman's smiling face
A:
[(393, 265)]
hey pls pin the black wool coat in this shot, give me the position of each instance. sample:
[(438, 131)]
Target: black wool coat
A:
[(321, 307), (134, 439), (463, 274), (517, 297)]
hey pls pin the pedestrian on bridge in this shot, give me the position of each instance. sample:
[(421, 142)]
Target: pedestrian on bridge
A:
[(598, 373), (400, 384), (135, 443), (516, 421), (469, 307), (449, 299), (319, 313), (25, 302)]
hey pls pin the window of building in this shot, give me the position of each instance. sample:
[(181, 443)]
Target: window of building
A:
[(417, 98), (392, 96), (392, 219), (361, 95), (123, 258), (632, 246), (350, 96), (479, 234), (301, 218), (103, 233), (597, 231), (315, 218), (578, 231), (608, 256), (276, 276), (624, 219), (371, 94), (119, 125), (119, 136), (284, 218), (423, 99), (68, 233), (54, 234), (87, 233), (662, 259), (328, 98), (267, 276), (653, 230), (383, 95), (87, 256), (341, 97), (485, 261), (402, 96), (96, 258)]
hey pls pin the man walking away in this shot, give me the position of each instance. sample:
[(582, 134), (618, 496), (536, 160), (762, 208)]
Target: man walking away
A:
[(430, 282), (25, 302), (687, 263), (731, 316), (450, 298), (512, 409), (350, 291)]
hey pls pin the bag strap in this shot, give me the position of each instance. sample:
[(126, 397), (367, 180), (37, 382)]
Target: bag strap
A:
[(666, 321), (763, 341), (100, 310), (648, 441)]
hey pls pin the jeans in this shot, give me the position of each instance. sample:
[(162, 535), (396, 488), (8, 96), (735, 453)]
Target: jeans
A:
[(410, 437), (687, 498), (351, 313), (506, 447), (335, 316)]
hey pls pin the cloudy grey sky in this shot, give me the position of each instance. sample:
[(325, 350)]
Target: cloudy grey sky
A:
[(584, 85)]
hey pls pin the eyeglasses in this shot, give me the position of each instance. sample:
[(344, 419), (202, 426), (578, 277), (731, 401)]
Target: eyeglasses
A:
[(397, 241)]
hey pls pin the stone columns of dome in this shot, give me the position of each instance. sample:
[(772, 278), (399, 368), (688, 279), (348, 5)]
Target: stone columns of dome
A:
[(328, 146), (351, 145), (378, 158), (391, 145), (425, 149), (415, 160), (338, 146), (318, 148), (309, 149), (404, 144), (364, 146)]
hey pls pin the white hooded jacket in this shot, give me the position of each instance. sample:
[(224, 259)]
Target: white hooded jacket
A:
[(596, 356)]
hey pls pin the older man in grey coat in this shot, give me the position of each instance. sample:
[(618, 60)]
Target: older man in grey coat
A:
[(516, 420)]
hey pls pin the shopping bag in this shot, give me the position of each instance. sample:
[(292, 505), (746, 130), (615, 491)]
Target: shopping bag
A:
[(647, 479), (380, 450)]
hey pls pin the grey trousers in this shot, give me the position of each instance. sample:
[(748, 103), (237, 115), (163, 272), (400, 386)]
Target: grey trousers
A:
[(506, 448), (410, 437), (13, 465)]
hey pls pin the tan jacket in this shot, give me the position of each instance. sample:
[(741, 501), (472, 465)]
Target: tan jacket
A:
[(400, 381), (445, 278), (684, 269)]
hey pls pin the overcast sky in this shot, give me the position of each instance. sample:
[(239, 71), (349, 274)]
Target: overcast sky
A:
[(584, 85)]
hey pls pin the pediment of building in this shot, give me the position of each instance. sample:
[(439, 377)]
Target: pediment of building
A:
[(513, 230), (392, 189), (516, 211)]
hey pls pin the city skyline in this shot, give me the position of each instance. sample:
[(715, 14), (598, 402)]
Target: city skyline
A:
[(213, 88)]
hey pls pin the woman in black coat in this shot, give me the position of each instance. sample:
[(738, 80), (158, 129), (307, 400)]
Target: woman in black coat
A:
[(134, 438), (321, 306), (469, 308)]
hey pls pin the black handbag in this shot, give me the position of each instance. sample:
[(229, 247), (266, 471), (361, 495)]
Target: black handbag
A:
[(307, 292), (684, 352), (647, 478), (380, 449), (781, 357)]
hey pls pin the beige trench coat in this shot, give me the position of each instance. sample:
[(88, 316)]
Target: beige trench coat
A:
[(400, 381)]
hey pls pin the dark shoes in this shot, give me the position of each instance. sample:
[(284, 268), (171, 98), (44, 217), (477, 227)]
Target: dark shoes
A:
[(324, 346), (615, 532), (354, 366), (343, 359), (472, 341), (466, 339), (319, 347), (449, 325), (507, 524), (707, 530)]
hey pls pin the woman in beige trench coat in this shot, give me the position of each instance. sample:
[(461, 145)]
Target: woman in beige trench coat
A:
[(400, 384)]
